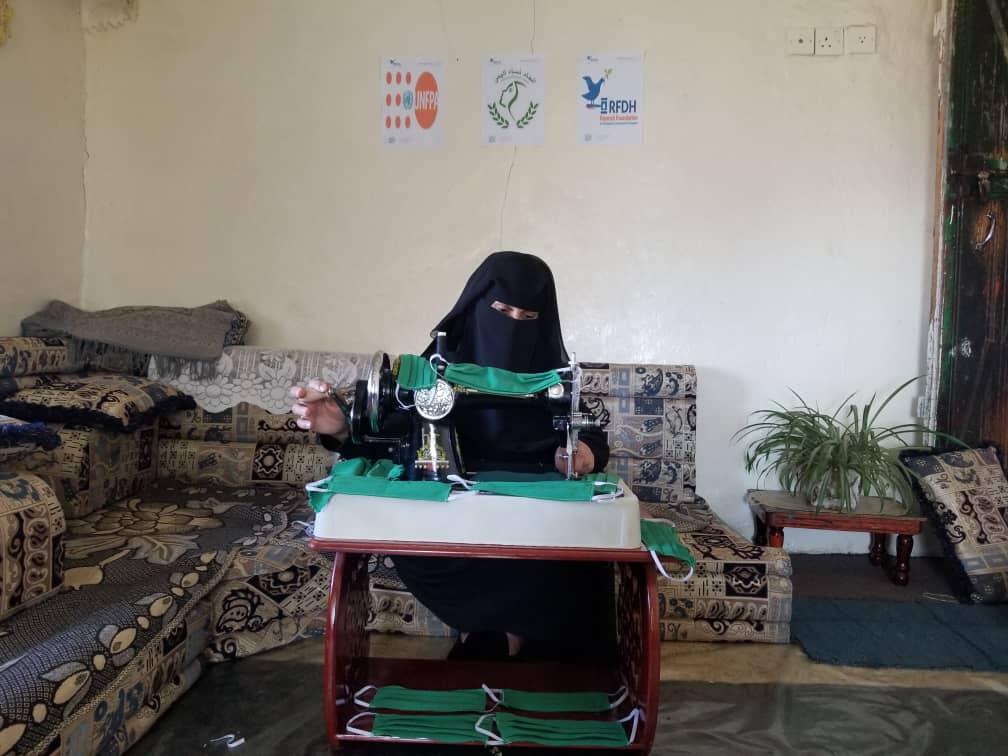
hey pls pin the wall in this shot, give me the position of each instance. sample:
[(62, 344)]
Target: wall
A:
[(774, 229), (41, 159)]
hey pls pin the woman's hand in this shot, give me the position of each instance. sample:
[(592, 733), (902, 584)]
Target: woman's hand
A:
[(584, 459), (317, 412)]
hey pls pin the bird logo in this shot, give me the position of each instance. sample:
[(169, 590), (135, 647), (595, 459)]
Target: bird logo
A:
[(594, 88)]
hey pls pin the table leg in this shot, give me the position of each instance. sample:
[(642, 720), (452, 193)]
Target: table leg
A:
[(639, 648), (876, 548), (759, 534), (345, 640), (904, 545), (775, 536)]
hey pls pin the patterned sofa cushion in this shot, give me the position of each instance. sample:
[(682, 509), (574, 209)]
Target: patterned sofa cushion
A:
[(649, 415), (965, 495), (31, 542), (238, 464), (112, 400), (92, 466), (19, 437), (244, 422), (26, 355)]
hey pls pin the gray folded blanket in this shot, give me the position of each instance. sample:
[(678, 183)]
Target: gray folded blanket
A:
[(172, 335)]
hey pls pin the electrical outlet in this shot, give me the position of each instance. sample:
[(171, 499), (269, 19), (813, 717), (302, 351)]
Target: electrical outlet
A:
[(801, 41), (829, 40), (860, 40)]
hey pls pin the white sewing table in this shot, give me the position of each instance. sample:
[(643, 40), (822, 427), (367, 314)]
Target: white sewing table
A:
[(491, 527)]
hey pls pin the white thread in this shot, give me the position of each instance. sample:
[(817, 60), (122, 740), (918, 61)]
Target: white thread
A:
[(622, 693), (491, 695)]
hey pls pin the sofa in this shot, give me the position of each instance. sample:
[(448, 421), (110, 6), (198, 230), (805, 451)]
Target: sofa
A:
[(136, 555)]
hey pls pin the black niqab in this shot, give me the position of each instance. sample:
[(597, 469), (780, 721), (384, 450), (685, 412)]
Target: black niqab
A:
[(520, 437), (478, 333)]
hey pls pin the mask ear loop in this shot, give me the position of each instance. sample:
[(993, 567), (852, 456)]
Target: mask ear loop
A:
[(616, 493), (317, 487), (492, 738), (494, 695), (357, 696), (661, 569), (356, 730), (633, 717), (622, 693)]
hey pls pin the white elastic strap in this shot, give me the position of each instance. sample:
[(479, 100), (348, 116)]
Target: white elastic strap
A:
[(492, 738), (610, 496), (399, 399), (317, 487), (634, 717), (467, 485), (661, 569), (493, 695), (357, 696), (356, 730), (622, 693)]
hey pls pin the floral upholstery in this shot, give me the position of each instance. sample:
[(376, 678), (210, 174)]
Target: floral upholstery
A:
[(244, 422), (93, 466), (31, 542), (112, 400), (965, 495), (239, 464)]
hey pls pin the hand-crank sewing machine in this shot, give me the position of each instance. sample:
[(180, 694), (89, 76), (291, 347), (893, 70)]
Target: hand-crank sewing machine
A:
[(352, 527), (429, 447)]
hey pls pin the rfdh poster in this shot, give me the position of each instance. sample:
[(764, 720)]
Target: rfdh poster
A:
[(513, 92), (610, 101), (411, 102)]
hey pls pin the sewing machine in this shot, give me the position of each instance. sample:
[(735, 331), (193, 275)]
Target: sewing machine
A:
[(429, 447)]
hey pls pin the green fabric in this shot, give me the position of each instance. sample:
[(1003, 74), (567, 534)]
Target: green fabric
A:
[(560, 732), (443, 728), (662, 538), (445, 701), (360, 477), (553, 702), (415, 373), (496, 381), (551, 487)]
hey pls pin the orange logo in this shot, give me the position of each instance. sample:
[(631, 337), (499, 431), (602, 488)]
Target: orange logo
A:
[(426, 100)]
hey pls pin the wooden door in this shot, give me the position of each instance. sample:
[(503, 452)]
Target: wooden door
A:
[(973, 361)]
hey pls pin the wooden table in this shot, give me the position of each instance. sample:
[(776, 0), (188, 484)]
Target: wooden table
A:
[(347, 666), (775, 510)]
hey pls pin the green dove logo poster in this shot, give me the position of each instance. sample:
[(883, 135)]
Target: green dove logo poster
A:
[(512, 104)]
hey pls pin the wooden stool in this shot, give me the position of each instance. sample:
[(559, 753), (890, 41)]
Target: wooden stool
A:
[(775, 510)]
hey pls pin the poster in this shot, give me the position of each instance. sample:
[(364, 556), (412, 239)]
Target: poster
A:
[(610, 98), (411, 102), (513, 92)]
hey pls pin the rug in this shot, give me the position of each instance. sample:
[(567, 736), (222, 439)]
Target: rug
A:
[(927, 635)]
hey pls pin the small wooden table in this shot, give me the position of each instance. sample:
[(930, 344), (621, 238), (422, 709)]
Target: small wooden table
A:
[(775, 510)]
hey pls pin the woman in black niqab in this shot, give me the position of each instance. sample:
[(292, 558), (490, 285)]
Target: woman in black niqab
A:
[(506, 317)]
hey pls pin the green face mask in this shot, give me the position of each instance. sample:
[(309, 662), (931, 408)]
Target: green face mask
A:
[(497, 381), (415, 372), (407, 699), (561, 732), (663, 538), (549, 487), (554, 702), (442, 728)]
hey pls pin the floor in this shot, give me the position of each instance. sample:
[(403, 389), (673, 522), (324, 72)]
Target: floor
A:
[(716, 698)]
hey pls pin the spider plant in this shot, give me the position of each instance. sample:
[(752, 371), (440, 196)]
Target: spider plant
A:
[(838, 456)]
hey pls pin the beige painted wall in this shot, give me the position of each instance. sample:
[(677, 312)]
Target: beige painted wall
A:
[(774, 229), (41, 159)]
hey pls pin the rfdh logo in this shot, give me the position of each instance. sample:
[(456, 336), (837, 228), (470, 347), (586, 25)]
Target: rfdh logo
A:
[(594, 88)]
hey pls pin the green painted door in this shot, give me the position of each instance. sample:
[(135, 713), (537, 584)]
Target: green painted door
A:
[(973, 369)]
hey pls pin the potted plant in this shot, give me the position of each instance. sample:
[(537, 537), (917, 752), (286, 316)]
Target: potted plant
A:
[(832, 459)]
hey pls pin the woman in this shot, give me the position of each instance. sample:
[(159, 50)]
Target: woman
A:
[(506, 317)]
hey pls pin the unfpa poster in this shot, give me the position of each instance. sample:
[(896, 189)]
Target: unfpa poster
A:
[(411, 102), (610, 99), (512, 102)]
